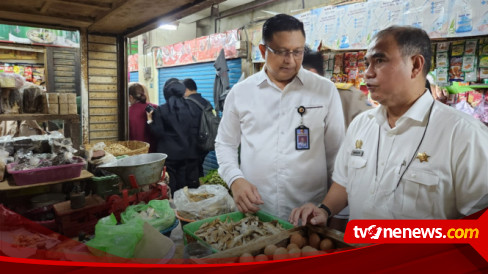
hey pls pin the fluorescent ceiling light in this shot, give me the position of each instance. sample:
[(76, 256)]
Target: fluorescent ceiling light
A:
[(168, 27)]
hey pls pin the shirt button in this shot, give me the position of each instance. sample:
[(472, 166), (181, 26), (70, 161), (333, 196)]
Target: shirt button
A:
[(382, 164), (282, 133), (413, 175)]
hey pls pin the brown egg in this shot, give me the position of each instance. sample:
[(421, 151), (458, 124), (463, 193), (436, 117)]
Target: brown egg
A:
[(246, 258), (280, 253), (326, 244), (260, 258), (292, 246), (314, 240), (297, 239), (294, 253), (269, 250), (308, 251)]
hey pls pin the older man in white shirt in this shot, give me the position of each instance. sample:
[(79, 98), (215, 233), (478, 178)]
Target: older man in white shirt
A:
[(266, 113), (411, 158)]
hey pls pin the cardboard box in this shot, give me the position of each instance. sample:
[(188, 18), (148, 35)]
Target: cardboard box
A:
[(71, 98), (45, 104), (63, 109), (63, 98), (72, 109), (53, 109), (52, 98)]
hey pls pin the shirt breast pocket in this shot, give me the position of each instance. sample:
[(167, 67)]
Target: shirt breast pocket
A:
[(356, 167), (420, 193)]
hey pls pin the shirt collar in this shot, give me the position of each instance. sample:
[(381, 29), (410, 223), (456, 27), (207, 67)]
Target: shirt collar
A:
[(416, 112)]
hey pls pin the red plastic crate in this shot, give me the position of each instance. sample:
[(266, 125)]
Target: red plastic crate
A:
[(70, 221), (46, 174)]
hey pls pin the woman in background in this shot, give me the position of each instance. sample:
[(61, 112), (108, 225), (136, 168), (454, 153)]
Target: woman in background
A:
[(138, 129)]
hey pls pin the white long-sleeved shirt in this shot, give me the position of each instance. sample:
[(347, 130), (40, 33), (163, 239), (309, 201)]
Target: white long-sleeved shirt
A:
[(451, 180), (262, 119)]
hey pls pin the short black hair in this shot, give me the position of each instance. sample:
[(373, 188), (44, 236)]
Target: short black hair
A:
[(280, 22), (313, 59), (190, 84), (411, 41)]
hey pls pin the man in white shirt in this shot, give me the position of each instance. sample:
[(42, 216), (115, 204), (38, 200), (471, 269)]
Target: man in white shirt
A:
[(265, 113), (412, 157)]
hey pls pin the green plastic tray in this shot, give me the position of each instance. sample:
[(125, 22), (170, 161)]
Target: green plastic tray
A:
[(191, 228)]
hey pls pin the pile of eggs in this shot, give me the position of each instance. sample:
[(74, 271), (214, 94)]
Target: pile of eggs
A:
[(298, 246)]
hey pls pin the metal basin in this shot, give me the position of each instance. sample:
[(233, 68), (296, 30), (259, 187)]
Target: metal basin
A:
[(147, 168)]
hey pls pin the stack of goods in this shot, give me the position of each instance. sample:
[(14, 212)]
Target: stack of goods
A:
[(461, 61), (349, 67), (61, 103)]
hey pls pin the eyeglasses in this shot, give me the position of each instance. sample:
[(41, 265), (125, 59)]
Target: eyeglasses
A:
[(283, 53)]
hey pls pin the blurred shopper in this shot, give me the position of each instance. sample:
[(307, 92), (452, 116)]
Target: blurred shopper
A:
[(196, 113), (171, 123), (138, 129)]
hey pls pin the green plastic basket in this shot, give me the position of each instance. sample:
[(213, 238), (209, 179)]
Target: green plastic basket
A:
[(191, 228)]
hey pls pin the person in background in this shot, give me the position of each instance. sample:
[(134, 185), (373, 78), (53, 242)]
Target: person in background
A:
[(265, 113), (138, 129), (411, 158), (196, 113), (171, 124), (352, 99)]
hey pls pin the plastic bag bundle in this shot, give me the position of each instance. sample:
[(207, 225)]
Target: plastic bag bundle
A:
[(217, 201), (119, 240), (158, 213)]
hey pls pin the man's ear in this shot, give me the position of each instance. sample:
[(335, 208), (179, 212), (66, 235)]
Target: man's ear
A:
[(262, 49), (418, 62)]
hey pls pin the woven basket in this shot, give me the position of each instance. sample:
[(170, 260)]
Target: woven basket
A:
[(136, 147)]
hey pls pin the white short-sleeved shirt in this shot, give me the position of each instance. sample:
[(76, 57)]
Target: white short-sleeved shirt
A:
[(262, 119), (453, 182)]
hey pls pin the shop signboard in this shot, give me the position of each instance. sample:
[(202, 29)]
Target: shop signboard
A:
[(39, 36), (201, 49), (132, 62)]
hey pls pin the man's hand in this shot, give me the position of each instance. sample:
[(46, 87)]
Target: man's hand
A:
[(246, 196), (308, 213)]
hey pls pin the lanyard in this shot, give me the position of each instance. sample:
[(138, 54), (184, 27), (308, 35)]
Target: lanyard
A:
[(414, 154)]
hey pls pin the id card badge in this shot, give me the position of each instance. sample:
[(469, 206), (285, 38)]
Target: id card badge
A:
[(302, 138)]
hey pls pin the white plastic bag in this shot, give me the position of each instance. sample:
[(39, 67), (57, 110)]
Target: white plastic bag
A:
[(220, 203)]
